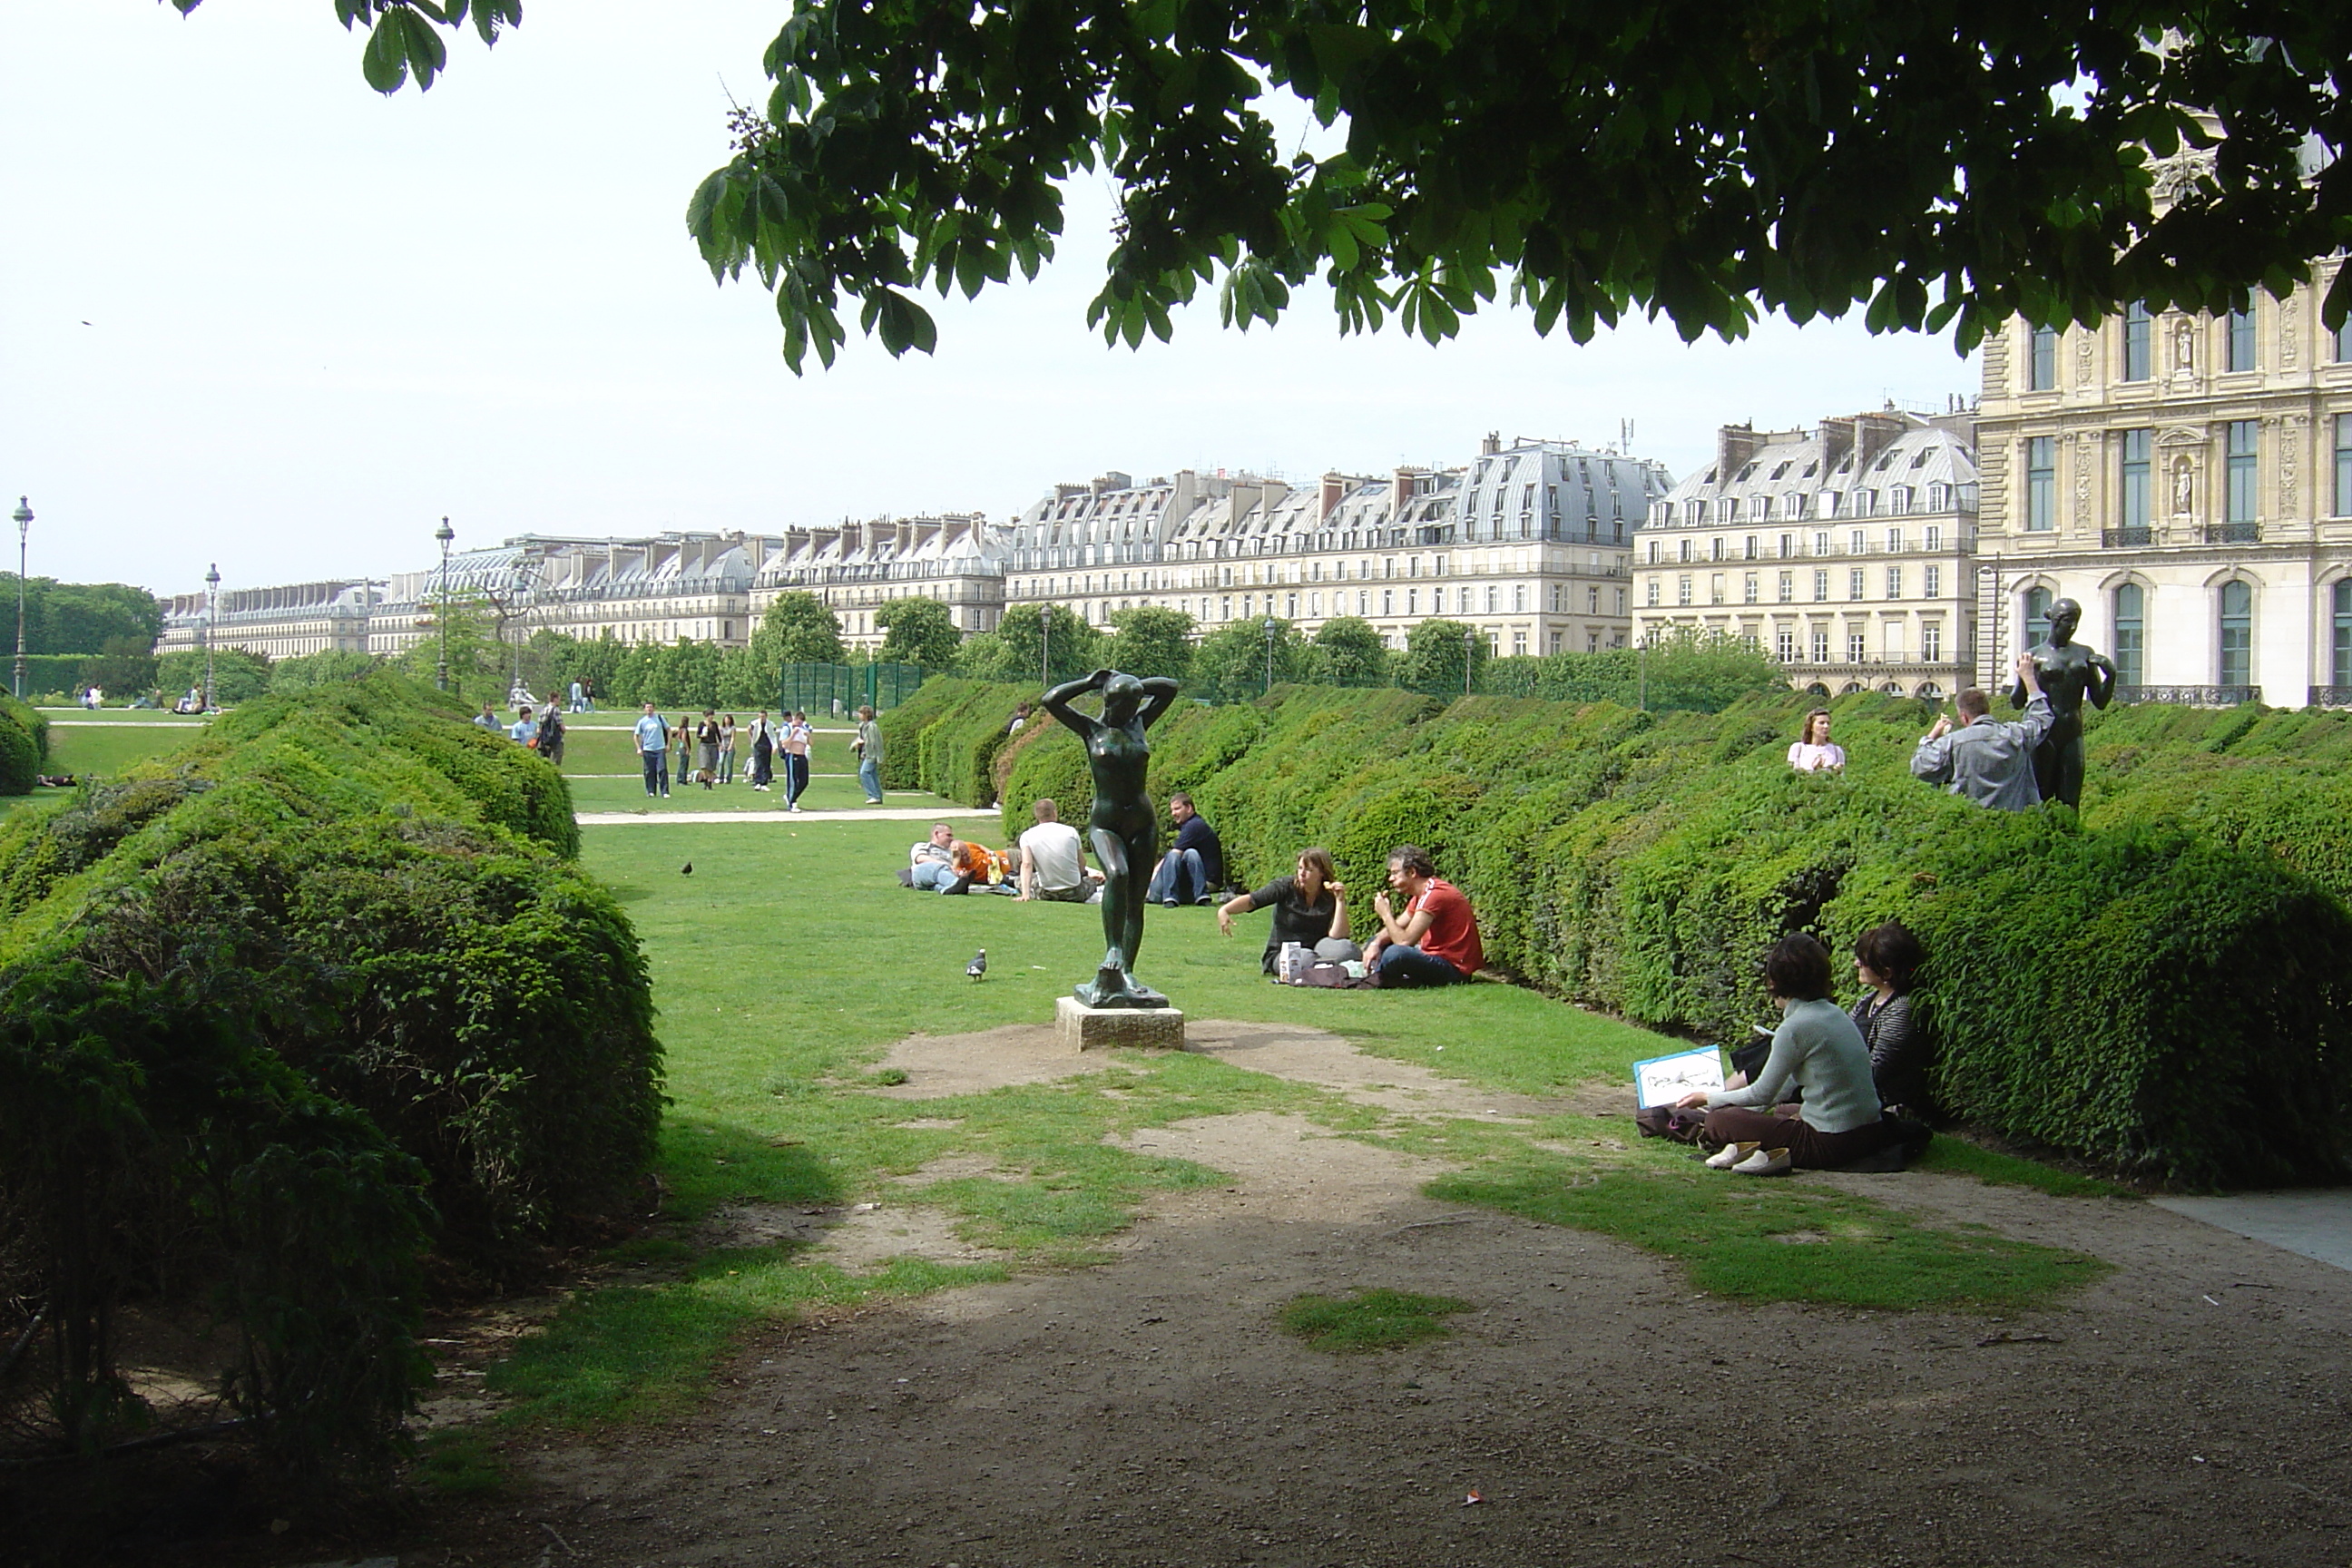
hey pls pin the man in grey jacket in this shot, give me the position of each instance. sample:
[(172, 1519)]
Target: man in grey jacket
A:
[(1983, 761)]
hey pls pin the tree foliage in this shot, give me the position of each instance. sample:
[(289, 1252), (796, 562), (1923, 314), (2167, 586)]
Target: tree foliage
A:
[(918, 631), (1152, 640), (1351, 653), (1234, 661), (799, 629), (84, 617), (1013, 651), (1434, 654)]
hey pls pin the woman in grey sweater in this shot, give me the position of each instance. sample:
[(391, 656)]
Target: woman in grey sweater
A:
[(1886, 960), (1816, 1049)]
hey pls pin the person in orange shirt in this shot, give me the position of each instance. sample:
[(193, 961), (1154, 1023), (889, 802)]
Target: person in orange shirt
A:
[(1434, 940)]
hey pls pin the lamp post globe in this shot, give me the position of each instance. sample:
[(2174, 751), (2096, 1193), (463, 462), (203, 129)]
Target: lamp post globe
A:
[(445, 533), (212, 627), (23, 515), (1046, 646)]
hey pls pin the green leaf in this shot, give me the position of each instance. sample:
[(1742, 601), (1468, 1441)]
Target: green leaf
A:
[(385, 61)]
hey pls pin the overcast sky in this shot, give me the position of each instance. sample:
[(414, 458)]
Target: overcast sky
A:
[(252, 312)]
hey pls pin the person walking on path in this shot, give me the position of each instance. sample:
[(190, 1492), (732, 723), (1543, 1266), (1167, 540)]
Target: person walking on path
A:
[(579, 698), (763, 752), (653, 751), (681, 744), (868, 747), (705, 749), (797, 739), (488, 719), (1985, 761)]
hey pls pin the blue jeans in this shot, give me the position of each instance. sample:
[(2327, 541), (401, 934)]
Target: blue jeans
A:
[(1181, 877), (1402, 967), (935, 876), (656, 771), (869, 774)]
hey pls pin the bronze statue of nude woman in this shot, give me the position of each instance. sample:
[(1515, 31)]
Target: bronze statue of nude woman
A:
[(1123, 827)]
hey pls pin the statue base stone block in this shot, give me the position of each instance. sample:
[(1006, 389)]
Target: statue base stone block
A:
[(1085, 1028)]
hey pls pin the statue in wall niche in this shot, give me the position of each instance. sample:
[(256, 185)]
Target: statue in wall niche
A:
[(1123, 827), (2184, 348), (2067, 672), (2184, 487)]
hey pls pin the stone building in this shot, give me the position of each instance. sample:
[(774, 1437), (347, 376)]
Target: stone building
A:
[(1844, 551), (1528, 542), (858, 567), (284, 622), (2188, 480)]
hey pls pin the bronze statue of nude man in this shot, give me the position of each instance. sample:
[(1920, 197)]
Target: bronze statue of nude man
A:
[(2068, 672), (1123, 827)]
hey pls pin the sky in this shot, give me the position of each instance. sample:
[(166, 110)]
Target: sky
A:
[(254, 313)]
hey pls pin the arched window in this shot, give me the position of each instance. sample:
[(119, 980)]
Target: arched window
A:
[(2131, 627), (2343, 625), (2237, 640), (2037, 617)]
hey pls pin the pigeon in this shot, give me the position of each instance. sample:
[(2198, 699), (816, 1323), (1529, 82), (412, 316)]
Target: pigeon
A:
[(978, 967), (686, 870)]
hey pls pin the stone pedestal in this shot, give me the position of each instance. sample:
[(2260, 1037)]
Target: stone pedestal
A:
[(1085, 1028)]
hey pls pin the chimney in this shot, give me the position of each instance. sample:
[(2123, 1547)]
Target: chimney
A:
[(1333, 487), (1873, 434), (1734, 445), (1406, 486), (1491, 445), (1837, 440)]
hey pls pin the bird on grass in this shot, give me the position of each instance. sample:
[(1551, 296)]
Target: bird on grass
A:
[(978, 967), (686, 870)]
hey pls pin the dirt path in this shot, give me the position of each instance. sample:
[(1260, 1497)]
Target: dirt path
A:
[(2189, 1408)]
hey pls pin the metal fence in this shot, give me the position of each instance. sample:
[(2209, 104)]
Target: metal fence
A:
[(831, 690)]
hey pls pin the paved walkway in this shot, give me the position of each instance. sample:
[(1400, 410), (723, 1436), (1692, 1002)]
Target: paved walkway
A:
[(859, 813), (127, 724), (2315, 1222)]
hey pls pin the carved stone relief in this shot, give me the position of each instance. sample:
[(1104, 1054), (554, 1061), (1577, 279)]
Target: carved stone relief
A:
[(2085, 354), (2086, 459), (2290, 443)]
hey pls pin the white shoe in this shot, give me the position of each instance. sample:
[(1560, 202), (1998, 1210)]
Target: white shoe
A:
[(1730, 1154), (1764, 1163)]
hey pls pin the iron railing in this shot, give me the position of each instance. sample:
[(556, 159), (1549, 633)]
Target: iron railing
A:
[(2234, 533), (2192, 696), (2126, 538)]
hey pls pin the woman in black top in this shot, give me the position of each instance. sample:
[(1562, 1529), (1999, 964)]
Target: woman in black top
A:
[(1310, 905), (1886, 959)]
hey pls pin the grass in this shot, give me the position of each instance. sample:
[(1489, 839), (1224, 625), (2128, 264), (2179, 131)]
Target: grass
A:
[(101, 749), (790, 961), (1781, 1241), (1377, 1319), (1958, 1157)]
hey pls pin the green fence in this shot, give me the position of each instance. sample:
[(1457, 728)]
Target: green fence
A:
[(816, 687)]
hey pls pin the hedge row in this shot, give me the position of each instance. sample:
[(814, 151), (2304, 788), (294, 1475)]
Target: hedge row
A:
[(2160, 984), (946, 737), (316, 1002)]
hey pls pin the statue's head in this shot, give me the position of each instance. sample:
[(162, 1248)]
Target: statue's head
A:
[(2065, 617), (1122, 692)]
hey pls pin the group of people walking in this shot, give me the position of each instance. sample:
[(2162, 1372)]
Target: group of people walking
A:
[(704, 751)]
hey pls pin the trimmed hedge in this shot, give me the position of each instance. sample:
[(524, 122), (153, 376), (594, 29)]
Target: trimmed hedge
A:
[(2160, 984), (312, 1002), (947, 736)]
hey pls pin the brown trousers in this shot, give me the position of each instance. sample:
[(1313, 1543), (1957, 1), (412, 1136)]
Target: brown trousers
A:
[(1808, 1150)]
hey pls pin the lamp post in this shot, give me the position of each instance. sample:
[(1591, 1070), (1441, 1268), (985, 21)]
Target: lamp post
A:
[(24, 529), (1469, 655), (445, 533), (212, 627), (1045, 647), (1271, 629)]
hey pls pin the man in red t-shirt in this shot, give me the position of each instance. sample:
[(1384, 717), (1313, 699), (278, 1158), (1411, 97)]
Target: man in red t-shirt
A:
[(1435, 943)]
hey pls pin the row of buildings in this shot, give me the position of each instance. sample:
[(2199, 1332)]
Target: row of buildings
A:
[(2186, 479)]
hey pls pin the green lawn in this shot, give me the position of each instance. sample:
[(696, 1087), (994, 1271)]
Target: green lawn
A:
[(102, 749), (789, 960)]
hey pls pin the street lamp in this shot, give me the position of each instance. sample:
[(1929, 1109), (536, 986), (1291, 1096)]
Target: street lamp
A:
[(1469, 651), (1045, 647), (1271, 627), (445, 533), (212, 627), (24, 527)]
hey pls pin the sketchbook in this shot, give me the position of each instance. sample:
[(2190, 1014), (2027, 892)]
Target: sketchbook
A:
[(1662, 1080)]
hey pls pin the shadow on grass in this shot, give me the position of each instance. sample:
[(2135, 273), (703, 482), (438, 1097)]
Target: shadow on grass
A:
[(1956, 1156), (1752, 1240)]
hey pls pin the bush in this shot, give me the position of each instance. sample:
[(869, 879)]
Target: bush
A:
[(318, 994)]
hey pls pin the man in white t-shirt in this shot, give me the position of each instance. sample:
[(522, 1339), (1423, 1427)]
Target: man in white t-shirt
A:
[(1053, 861)]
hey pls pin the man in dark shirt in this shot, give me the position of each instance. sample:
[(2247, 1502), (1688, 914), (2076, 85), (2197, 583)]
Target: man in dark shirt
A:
[(1194, 865)]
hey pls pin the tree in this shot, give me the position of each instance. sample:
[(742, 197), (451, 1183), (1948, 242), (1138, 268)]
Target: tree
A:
[(1229, 665), (1010, 652), (480, 667), (1151, 641), (309, 671), (918, 631), (1348, 652), (799, 629), (1433, 652), (238, 676)]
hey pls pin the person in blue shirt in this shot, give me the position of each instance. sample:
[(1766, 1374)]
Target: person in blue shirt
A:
[(523, 728), (488, 720), (653, 751), (1194, 865)]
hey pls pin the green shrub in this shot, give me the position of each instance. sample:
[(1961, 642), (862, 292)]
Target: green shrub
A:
[(284, 1010)]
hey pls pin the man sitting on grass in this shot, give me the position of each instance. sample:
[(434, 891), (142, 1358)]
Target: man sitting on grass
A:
[(1194, 867), (1435, 941), (1052, 860)]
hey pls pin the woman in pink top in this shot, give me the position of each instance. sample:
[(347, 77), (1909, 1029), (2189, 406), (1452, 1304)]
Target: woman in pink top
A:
[(1813, 753)]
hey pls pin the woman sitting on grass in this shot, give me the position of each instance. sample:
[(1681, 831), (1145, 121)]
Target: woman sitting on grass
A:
[(1816, 1049), (1310, 907), (1886, 959)]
